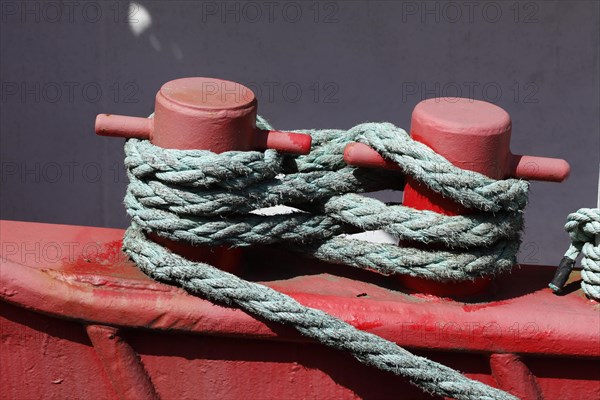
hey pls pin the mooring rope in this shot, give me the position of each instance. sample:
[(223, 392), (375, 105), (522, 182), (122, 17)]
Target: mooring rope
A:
[(204, 198), (583, 227)]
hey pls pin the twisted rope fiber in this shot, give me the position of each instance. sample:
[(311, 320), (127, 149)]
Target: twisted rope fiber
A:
[(583, 226), (225, 288), (206, 198)]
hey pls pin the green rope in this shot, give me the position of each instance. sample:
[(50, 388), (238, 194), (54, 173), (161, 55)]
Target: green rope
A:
[(207, 199), (583, 227)]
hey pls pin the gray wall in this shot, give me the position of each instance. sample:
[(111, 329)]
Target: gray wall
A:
[(353, 61)]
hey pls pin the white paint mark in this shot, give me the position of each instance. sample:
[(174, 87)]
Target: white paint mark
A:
[(374, 237), (138, 18), (275, 210)]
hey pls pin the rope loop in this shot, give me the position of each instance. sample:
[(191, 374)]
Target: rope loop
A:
[(208, 199), (583, 226)]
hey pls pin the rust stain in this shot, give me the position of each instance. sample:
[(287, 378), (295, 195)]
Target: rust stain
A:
[(103, 259)]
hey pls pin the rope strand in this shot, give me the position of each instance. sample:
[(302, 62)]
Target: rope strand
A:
[(164, 198), (222, 287)]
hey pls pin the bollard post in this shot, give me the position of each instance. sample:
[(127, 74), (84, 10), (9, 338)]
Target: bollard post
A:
[(203, 114), (473, 135)]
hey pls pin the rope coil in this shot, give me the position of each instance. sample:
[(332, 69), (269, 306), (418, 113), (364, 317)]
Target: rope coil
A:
[(204, 198), (583, 227)]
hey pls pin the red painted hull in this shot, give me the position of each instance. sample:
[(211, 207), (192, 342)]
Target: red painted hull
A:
[(78, 320)]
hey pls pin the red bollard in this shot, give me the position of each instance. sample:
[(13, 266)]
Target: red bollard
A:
[(471, 134), (203, 114)]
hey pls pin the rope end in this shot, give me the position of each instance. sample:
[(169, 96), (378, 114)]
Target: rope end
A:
[(562, 274)]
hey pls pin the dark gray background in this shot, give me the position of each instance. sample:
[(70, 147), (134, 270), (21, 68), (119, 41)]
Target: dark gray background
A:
[(326, 64)]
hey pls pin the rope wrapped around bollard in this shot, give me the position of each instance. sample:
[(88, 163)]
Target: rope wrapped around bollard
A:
[(583, 227), (204, 198)]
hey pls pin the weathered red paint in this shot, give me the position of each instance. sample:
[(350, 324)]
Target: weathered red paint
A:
[(77, 318), (121, 363), (191, 348), (203, 114), (471, 134), (512, 373)]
